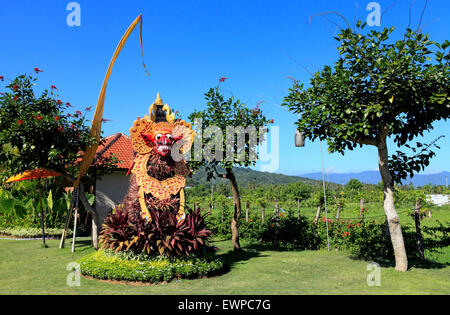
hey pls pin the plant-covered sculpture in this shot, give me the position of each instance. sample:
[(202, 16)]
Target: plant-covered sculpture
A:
[(153, 217)]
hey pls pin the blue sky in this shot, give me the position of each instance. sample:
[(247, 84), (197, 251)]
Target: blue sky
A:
[(188, 45)]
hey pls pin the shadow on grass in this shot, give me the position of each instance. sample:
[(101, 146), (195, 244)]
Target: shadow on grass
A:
[(413, 262), (234, 257), (82, 243)]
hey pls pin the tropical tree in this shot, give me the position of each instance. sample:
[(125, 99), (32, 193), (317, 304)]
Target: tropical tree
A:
[(44, 132), (378, 90), (221, 123), (39, 132)]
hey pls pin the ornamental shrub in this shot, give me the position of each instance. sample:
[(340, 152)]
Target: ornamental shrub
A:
[(108, 265), (289, 232), (164, 235)]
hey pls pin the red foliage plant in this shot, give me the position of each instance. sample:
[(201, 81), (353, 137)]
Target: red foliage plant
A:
[(164, 235)]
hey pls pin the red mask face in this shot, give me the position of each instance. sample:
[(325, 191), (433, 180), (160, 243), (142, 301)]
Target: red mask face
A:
[(162, 142)]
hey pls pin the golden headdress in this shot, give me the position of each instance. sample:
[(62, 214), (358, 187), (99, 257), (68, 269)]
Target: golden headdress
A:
[(160, 120)]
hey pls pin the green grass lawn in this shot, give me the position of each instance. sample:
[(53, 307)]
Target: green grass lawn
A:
[(27, 268)]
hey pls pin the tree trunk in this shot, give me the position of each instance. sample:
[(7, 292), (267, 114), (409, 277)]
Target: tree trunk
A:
[(361, 207), (418, 230), (298, 209), (94, 214), (395, 230), (210, 207), (316, 218), (237, 210), (95, 231), (92, 189)]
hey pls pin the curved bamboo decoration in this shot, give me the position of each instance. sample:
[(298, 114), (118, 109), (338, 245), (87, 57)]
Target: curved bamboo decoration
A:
[(96, 125)]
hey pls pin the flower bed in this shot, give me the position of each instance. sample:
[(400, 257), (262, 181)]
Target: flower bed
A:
[(107, 265)]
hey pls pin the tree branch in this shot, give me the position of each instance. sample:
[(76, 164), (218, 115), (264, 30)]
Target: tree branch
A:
[(220, 175), (368, 141), (333, 12)]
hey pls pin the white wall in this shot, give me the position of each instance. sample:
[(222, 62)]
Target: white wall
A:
[(439, 199), (110, 191), (115, 186)]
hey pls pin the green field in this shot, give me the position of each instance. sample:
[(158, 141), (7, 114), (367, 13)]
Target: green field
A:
[(27, 268)]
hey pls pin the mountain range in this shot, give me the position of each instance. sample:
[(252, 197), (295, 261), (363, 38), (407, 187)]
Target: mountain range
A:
[(373, 177), (246, 176)]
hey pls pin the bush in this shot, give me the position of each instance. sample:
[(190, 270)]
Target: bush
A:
[(367, 239), (128, 266), (164, 235), (289, 233), (247, 230)]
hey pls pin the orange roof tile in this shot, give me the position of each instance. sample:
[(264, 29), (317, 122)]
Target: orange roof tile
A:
[(120, 145)]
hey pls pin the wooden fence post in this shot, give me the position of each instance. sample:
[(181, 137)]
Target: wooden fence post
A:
[(338, 211), (316, 218), (361, 207), (277, 213), (418, 230), (263, 211)]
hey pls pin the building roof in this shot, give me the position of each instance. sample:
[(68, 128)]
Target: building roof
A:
[(120, 145)]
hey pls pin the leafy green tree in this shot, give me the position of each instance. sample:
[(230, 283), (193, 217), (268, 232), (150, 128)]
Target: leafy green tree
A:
[(353, 185), (222, 115), (377, 90), (36, 132)]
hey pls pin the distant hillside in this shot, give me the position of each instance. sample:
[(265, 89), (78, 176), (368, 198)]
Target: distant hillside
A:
[(373, 177), (245, 176)]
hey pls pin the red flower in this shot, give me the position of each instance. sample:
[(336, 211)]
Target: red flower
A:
[(88, 109), (72, 126), (56, 117), (68, 105), (349, 227), (39, 117), (15, 87), (20, 122), (78, 112), (69, 115), (60, 129), (2, 78), (53, 87), (15, 98), (59, 102), (105, 120), (271, 121), (358, 224), (222, 79), (37, 70)]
